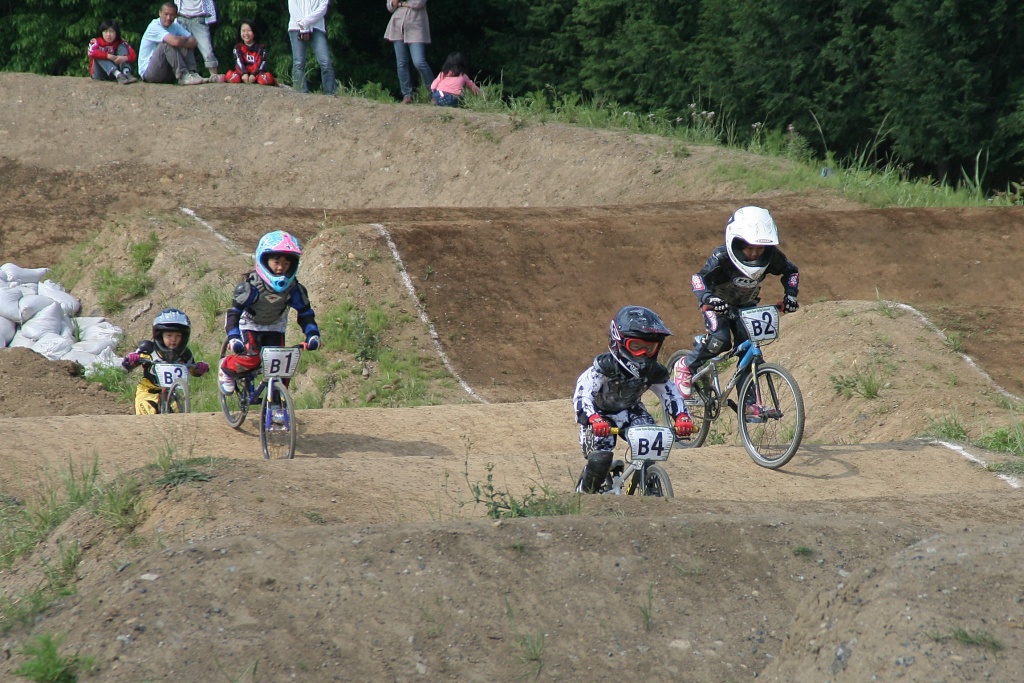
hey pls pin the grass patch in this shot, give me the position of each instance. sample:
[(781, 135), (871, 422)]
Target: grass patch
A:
[(864, 384), (538, 501), (803, 551), (1005, 439), (982, 639), (46, 664), (73, 266), (948, 427), (212, 302), (115, 290), (531, 645)]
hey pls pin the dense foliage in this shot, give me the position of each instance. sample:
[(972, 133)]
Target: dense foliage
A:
[(935, 85)]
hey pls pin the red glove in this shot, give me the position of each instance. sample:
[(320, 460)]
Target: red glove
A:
[(599, 425), (202, 368), (684, 425), (131, 360)]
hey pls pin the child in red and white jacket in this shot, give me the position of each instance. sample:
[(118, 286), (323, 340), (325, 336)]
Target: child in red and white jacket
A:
[(446, 90), (250, 59), (110, 56)]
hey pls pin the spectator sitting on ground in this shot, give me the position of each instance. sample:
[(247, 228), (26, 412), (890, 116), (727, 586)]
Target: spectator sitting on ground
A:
[(165, 54), (250, 59), (110, 56)]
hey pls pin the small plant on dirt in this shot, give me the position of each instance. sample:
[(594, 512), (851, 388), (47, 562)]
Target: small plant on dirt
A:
[(212, 302), (121, 503), (314, 517), (948, 427), (73, 266), (144, 253), (955, 341), (115, 290), (536, 502), (248, 675), (886, 308), (695, 569), (176, 463), (60, 574), (864, 384), (647, 608), (803, 551), (47, 664), (982, 639), (531, 645)]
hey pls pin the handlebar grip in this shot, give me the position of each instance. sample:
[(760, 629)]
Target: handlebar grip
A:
[(614, 431)]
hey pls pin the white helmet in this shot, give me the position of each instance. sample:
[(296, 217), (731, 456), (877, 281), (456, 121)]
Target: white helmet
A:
[(751, 225)]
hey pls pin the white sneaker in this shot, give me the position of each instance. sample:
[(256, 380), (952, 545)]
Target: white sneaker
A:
[(226, 382), (191, 78), (683, 378)]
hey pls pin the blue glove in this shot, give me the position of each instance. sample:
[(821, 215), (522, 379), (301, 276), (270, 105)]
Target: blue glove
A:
[(789, 304), (313, 342), (236, 345)]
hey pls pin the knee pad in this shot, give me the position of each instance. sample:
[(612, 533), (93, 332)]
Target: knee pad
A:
[(713, 345)]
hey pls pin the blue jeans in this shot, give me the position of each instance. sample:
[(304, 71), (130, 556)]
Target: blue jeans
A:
[(444, 99), (104, 69), (200, 30), (419, 60), (318, 41)]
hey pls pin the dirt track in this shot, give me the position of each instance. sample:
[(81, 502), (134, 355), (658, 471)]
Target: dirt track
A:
[(363, 560)]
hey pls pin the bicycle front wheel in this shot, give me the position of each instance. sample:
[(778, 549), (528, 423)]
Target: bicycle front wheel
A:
[(278, 429), (771, 416), (177, 398), (696, 406), (235, 405), (655, 479)]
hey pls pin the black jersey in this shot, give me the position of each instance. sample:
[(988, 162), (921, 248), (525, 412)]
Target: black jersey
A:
[(720, 277), (607, 388)]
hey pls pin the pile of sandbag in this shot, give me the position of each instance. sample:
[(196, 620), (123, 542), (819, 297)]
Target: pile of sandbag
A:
[(39, 314)]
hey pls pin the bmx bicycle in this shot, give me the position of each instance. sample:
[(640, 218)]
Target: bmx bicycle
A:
[(771, 423), (640, 473), (278, 428), (172, 378)]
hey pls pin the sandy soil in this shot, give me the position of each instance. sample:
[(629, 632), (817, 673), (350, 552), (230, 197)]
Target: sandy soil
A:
[(876, 554)]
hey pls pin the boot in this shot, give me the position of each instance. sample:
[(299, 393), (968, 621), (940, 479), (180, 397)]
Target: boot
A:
[(596, 471)]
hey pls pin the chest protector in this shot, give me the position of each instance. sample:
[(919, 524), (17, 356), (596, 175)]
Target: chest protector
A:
[(262, 305), (620, 390)]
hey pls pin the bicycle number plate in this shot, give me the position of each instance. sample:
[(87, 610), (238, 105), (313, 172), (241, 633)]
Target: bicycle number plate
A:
[(650, 442), (761, 323), (280, 361), (168, 373)]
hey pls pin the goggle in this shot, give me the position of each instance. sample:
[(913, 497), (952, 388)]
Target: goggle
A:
[(642, 347)]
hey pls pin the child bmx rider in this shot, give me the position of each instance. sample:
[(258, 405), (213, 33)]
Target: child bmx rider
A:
[(171, 330), (731, 278), (258, 315), (608, 392)]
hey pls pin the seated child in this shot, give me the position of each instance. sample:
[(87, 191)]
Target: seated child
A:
[(731, 278), (608, 393), (258, 315), (446, 90), (110, 56), (171, 330), (250, 59)]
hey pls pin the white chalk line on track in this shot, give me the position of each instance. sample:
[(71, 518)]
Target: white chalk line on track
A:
[(406, 280), (1014, 482)]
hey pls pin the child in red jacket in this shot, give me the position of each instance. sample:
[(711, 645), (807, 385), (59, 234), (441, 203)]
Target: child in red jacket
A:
[(250, 59), (110, 56)]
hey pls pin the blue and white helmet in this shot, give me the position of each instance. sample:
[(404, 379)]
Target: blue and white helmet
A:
[(278, 242)]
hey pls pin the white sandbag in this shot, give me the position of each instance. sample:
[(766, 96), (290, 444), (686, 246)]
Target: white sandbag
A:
[(9, 304), (88, 321), (31, 304), (3, 276), (101, 330), (19, 274), (70, 304), (19, 340), (51, 345), (83, 358), (28, 288), (49, 319), (94, 346), (7, 330), (107, 359)]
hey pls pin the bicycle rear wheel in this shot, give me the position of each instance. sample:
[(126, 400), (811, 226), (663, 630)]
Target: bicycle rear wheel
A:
[(278, 429), (695, 406), (178, 399), (771, 416)]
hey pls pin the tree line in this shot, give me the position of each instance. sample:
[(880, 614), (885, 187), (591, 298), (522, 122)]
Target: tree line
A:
[(934, 86)]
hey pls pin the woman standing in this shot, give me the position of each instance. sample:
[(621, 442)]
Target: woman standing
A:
[(409, 31)]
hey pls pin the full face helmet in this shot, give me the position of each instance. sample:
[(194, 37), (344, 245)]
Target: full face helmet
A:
[(635, 337), (171, 320), (277, 243), (751, 226)]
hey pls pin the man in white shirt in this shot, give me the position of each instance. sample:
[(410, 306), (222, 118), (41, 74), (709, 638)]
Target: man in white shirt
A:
[(165, 53), (196, 16)]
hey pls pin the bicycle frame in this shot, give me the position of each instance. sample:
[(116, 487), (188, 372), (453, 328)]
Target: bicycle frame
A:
[(749, 354)]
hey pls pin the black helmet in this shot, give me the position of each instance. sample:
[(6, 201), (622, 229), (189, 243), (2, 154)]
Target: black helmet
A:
[(171, 320), (634, 338)]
